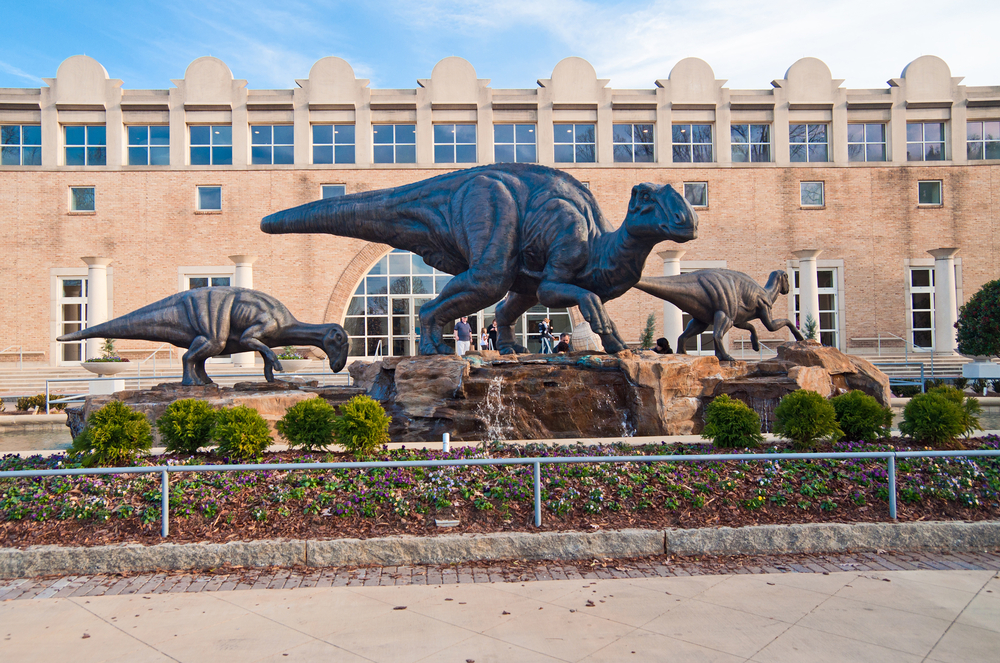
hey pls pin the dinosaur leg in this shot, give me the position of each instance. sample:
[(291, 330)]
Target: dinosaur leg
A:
[(754, 341), (773, 325), (693, 328), (720, 326), (557, 295), (271, 361), (194, 361), (507, 314)]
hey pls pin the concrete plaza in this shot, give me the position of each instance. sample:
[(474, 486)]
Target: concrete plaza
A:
[(919, 615)]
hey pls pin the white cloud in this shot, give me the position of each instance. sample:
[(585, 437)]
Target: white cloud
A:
[(14, 71)]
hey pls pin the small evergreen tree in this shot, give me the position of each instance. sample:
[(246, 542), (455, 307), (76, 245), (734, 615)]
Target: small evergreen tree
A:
[(647, 334), (730, 423), (810, 329), (804, 416)]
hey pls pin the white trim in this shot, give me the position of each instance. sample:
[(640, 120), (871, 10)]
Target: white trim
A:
[(212, 270), (838, 265), (56, 273)]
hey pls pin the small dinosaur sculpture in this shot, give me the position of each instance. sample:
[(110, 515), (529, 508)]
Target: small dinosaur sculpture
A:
[(724, 299), (531, 233), (217, 321)]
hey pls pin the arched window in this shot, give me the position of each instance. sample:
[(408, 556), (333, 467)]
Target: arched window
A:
[(383, 315)]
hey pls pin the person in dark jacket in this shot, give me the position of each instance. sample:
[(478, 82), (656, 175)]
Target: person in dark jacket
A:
[(663, 347), (491, 335), (563, 345)]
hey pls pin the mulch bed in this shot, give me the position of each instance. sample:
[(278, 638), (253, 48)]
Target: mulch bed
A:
[(220, 507)]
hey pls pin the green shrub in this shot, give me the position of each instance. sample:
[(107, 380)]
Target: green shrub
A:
[(995, 385), (979, 385), (187, 425), (731, 424), (971, 409), (905, 390), (362, 426), (861, 417), (114, 436), (933, 418), (240, 432), (646, 342), (308, 424), (25, 403), (960, 383), (804, 416), (979, 323)]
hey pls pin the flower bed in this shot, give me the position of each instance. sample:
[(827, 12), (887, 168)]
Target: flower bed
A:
[(96, 510)]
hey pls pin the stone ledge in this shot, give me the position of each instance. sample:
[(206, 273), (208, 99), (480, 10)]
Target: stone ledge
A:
[(448, 549)]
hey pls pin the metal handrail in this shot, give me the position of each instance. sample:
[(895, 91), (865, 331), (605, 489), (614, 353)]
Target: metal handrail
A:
[(536, 463), (152, 355), (20, 355), (78, 398), (760, 353), (901, 381)]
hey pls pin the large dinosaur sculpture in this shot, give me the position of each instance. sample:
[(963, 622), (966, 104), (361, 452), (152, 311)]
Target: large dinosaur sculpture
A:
[(217, 321), (525, 231), (724, 299)]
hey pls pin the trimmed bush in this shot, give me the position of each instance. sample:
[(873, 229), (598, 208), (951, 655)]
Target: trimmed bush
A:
[(861, 417), (804, 417), (905, 390), (971, 409), (25, 403), (731, 424), (114, 436), (187, 425), (308, 425), (363, 426), (240, 432), (933, 418)]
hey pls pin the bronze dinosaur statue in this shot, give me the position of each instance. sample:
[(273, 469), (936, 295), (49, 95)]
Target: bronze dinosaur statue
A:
[(531, 233), (724, 299), (217, 321)]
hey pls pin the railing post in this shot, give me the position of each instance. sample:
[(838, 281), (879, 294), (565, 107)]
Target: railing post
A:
[(892, 486), (538, 493), (47, 397), (164, 504), (445, 442), (923, 385)]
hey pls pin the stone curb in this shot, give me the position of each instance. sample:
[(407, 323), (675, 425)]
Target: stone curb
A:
[(449, 549)]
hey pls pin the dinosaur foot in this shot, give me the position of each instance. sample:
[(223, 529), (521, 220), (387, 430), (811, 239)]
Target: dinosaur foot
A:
[(513, 349)]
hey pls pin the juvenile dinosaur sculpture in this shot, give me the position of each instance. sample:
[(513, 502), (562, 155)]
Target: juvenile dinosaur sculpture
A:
[(217, 321), (724, 299), (525, 231)]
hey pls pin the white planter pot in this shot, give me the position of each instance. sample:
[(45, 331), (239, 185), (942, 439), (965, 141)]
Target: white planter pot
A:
[(294, 365), (106, 367), (985, 370)]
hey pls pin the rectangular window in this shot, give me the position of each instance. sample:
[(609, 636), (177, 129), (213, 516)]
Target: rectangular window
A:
[(208, 282), (211, 145), (71, 304), (395, 143), (334, 190), (751, 142), (866, 142), (82, 199), (333, 143), (811, 194), (514, 143), (454, 143), (86, 145), (696, 193), (982, 140), (808, 143), (209, 198), (149, 145), (922, 307), (925, 141), (692, 143), (929, 192), (20, 145), (272, 144), (827, 286), (633, 143), (575, 143)]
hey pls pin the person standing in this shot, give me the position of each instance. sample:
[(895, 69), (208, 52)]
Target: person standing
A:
[(563, 345), (463, 336), (545, 335), (491, 333), (484, 340)]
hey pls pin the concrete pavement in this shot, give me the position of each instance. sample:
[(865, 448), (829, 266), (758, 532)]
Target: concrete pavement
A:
[(918, 615)]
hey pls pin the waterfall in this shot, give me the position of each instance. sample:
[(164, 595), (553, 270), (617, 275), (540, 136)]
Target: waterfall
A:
[(497, 415)]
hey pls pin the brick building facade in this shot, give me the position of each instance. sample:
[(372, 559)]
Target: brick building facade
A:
[(168, 184)]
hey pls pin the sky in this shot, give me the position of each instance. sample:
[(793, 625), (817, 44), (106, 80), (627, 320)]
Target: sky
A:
[(511, 42)]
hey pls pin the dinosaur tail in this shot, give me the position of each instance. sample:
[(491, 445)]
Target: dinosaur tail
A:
[(138, 325), (356, 215), (115, 328), (659, 286)]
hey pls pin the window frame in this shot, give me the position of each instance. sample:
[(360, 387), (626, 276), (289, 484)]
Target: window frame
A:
[(73, 209), (575, 144), (836, 290), (802, 194), (809, 143), (632, 144), (87, 146), (147, 146), (395, 145), (258, 144), (912, 290), (515, 143), (750, 144), (338, 144), (198, 199), (212, 146), (865, 143), (982, 140), (924, 143), (7, 148), (454, 147), (692, 184), (940, 193), (691, 144), (324, 187)]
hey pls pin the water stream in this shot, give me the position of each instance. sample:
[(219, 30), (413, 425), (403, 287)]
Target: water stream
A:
[(497, 415)]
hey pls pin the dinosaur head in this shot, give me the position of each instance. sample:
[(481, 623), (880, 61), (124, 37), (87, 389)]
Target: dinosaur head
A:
[(782, 276), (335, 346), (658, 212)]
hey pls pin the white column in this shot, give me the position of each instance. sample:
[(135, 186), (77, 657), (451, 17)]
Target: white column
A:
[(97, 300), (243, 278), (945, 300), (808, 287), (673, 321)]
